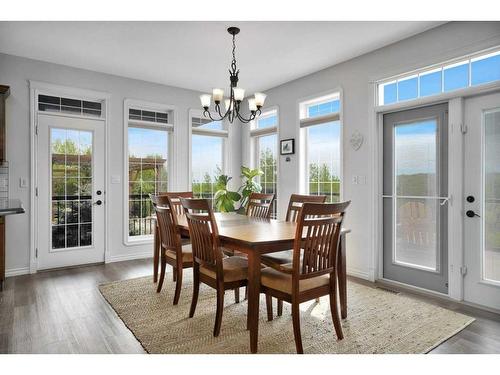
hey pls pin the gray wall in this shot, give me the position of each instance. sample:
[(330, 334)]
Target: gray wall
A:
[(16, 71), (355, 78)]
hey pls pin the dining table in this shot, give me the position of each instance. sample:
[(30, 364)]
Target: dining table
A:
[(254, 237)]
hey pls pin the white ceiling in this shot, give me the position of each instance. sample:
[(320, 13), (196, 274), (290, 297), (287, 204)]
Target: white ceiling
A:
[(196, 55)]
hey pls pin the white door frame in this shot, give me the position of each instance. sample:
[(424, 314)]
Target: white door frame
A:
[(455, 102), (36, 88)]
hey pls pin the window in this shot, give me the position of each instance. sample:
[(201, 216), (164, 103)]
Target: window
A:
[(264, 135), (321, 140), (462, 73), (208, 145), (79, 107), (148, 136)]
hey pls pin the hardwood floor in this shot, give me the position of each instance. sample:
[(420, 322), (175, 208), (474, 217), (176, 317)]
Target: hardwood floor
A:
[(63, 312)]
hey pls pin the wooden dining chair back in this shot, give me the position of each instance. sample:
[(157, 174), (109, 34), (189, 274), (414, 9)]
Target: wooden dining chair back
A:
[(169, 243), (209, 266), (259, 205), (296, 202), (203, 232), (175, 198), (312, 273)]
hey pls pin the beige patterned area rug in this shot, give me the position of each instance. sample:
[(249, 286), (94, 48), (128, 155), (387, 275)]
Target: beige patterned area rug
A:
[(378, 321)]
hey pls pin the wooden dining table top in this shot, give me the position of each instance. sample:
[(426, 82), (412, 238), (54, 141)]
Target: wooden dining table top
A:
[(251, 230)]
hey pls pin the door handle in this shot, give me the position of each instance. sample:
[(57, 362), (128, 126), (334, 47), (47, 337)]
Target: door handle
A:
[(471, 213), (98, 202)]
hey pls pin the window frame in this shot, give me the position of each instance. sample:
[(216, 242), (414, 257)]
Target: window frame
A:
[(255, 134), (304, 122), (441, 66), (224, 134), (169, 127)]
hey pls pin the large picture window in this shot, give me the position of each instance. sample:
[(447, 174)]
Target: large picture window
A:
[(148, 148), (208, 152), (264, 135), (321, 132)]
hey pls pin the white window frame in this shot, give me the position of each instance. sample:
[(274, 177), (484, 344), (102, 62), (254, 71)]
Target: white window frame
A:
[(304, 122), (170, 126), (443, 96), (255, 134), (224, 134)]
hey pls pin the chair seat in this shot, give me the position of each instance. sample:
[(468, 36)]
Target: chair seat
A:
[(187, 254), (278, 258), (235, 268), (277, 280)]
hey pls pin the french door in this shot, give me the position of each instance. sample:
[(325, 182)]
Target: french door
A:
[(415, 197), (482, 200), (70, 171)]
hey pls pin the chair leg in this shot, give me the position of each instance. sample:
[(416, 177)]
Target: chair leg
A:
[(162, 273), (269, 307), (220, 308), (246, 292), (196, 289), (237, 295), (174, 274), (334, 307), (296, 327), (178, 285), (156, 255), (280, 307)]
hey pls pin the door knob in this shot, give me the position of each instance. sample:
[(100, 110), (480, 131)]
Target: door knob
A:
[(471, 213), (98, 202)]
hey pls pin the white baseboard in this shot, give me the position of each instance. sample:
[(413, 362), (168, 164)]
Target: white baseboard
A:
[(17, 271), (121, 258), (358, 273)]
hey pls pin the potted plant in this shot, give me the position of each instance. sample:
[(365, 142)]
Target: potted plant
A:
[(225, 199), (249, 185)]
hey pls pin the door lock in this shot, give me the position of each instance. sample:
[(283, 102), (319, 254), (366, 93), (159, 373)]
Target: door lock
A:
[(98, 192), (470, 199), (471, 213), (98, 202)]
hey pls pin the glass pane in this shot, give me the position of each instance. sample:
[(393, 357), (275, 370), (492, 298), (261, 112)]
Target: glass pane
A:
[(415, 157), (71, 173), (268, 151), (416, 232), (430, 83), (148, 151), (408, 88), (267, 121), (485, 70), (205, 123), (207, 163), (491, 254), (390, 93), (322, 109), (323, 159), (456, 76)]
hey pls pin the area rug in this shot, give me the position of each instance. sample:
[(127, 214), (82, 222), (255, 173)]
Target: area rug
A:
[(378, 321)]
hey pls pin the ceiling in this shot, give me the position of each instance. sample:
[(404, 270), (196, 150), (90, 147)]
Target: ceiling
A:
[(196, 55)]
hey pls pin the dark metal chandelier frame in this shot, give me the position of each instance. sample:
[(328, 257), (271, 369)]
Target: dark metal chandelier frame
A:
[(233, 103)]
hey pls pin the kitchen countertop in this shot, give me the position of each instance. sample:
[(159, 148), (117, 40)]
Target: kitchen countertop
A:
[(11, 207)]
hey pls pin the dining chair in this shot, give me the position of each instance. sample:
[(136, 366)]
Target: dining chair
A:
[(312, 272), (278, 259), (259, 205), (176, 204), (170, 244), (209, 264)]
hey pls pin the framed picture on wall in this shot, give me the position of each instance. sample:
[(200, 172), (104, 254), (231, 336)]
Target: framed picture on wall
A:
[(287, 146)]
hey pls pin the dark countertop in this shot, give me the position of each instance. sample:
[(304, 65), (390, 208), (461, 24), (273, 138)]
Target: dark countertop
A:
[(11, 207)]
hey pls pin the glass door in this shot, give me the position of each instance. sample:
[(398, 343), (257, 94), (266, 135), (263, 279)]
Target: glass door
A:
[(70, 191), (415, 196), (482, 201)]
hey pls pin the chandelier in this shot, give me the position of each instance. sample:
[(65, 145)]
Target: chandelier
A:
[(232, 105)]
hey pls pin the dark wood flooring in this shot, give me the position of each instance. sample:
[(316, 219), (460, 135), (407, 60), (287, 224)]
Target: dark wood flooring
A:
[(63, 312)]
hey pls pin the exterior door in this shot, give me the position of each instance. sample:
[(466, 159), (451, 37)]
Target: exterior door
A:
[(415, 196), (482, 201), (70, 171)]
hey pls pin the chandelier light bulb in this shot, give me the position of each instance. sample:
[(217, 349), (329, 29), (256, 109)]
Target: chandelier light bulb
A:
[(205, 100), (251, 105), (260, 98), (217, 94), (239, 94), (227, 104)]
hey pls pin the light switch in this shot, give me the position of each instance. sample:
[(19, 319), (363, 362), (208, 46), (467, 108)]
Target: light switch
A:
[(23, 182)]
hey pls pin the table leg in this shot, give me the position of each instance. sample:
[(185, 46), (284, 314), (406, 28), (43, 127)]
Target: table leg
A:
[(342, 278), (156, 252), (253, 299)]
